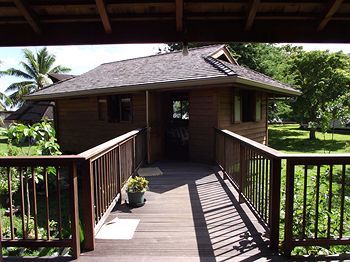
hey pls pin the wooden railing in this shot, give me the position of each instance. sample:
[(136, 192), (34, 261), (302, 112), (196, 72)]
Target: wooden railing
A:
[(318, 217), (254, 170), (38, 233), (107, 168), (49, 212), (315, 187)]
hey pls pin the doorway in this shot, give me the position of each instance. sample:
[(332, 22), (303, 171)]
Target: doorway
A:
[(177, 127)]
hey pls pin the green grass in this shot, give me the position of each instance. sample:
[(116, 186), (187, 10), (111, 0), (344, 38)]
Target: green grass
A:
[(290, 139)]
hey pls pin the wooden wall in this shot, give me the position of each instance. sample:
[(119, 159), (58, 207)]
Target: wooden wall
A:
[(256, 130), (79, 127), (203, 119)]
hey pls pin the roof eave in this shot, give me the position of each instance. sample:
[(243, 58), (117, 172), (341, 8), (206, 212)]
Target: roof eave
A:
[(166, 85), (267, 87)]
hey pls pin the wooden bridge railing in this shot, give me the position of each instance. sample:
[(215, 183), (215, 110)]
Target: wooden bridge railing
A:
[(36, 229), (254, 170), (106, 169), (44, 218), (316, 190)]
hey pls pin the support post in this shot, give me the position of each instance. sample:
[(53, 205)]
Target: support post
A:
[(275, 194), (88, 206), (148, 129), (288, 224), (74, 210)]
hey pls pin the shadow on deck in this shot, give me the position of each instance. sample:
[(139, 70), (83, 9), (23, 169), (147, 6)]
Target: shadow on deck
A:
[(191, 214)]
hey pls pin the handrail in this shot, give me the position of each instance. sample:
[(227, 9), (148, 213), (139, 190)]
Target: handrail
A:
[(109, 145), (253, 144)]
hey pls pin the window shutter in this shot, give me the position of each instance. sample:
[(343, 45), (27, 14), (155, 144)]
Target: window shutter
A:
[(258, 108), (236, 109)]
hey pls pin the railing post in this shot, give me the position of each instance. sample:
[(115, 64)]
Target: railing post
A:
[(242, 171), (134, 164), (74, 210), (288, 226), (275, 193), (119, 175), (224, 160), (88, 205)]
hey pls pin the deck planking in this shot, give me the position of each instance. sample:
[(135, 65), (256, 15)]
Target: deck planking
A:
[(191, 214)]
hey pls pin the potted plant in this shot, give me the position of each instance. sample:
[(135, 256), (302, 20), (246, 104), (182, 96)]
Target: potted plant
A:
[(136, 189)]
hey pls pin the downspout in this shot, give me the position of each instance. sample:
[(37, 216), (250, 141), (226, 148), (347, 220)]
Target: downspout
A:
[(148, 129)]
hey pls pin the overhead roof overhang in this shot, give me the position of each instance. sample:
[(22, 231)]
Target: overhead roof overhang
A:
[(163, 86), (57, 22)]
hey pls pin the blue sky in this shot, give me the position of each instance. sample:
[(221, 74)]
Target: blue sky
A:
[(84, 58)]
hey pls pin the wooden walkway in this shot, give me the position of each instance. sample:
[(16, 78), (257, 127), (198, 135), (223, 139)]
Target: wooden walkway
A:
[(191, 214)]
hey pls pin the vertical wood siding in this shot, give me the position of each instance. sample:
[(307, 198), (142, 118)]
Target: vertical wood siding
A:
[(254, 130), (79, 128)]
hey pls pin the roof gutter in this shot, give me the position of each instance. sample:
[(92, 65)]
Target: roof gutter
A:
[(165, 85)]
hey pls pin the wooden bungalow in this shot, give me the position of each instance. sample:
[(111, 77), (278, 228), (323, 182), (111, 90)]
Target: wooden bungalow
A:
[(181, 98)]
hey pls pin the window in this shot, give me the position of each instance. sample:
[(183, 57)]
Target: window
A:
[(246, 107), (102, 108), (181, 109), (119, 108)]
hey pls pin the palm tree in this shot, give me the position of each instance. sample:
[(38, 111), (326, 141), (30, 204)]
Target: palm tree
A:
[(4, 99), (36, 68)]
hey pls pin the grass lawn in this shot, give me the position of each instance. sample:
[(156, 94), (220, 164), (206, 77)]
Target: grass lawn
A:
[(290, 139)]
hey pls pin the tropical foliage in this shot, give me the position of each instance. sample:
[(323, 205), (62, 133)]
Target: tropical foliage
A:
[(34, 72)]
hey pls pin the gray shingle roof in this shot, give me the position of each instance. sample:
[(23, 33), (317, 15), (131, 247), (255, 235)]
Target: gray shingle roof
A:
[(153, 70)]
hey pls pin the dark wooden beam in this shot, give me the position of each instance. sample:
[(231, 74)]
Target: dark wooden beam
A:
[(29, 15), (329, 11), (252, 8), (179, 15), (102, 10)]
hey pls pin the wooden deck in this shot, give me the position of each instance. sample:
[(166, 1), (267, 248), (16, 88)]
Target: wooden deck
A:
[(191, 214)]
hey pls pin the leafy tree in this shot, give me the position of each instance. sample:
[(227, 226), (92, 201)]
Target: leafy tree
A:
[(42, 137), (322, 77), (4, 99), (34, 72)]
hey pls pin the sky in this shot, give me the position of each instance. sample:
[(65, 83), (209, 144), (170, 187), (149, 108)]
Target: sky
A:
[(84, 58)]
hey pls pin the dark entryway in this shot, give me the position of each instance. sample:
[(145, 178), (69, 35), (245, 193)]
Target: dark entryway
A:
[(176, 131)]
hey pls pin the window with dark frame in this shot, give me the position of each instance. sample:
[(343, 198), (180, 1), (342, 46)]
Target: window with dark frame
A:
[(119, 108), (102, 108), (246, 107)]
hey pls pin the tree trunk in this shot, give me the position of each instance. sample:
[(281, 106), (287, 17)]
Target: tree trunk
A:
[(312, 134)]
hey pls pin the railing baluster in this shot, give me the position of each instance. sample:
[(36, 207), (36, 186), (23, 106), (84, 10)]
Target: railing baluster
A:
[(74, 210), (330, 201), (304, 203), (35, 204), (317, 198), (24, 233), (58, 195), (46, 185), (342, 200), (9, 177)]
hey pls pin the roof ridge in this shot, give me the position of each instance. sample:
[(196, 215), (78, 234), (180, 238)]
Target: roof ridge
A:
[(219, 65), (166, 53)]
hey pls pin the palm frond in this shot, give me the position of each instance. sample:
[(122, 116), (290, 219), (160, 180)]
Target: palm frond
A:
[(16, 72), (31, 60), (19, 85), (29, 69), (5, 100), (60, 69)]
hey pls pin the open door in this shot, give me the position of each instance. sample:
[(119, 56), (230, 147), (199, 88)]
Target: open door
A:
[(177, 131)]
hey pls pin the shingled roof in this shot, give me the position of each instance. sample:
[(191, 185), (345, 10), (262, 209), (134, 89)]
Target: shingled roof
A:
[(169, 70)]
